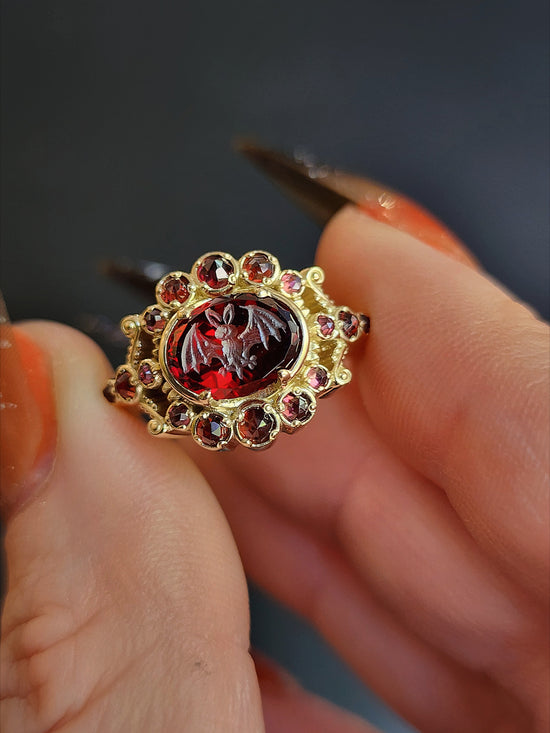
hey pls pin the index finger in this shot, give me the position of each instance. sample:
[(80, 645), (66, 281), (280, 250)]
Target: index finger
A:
[(455, 377)]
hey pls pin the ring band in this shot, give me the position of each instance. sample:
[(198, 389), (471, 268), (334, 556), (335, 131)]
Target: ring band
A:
[(235, 352)]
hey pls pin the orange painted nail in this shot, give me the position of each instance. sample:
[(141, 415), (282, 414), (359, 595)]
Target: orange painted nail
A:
[(27, 416)]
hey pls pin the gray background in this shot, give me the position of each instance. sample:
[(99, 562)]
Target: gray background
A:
[(117, 118)]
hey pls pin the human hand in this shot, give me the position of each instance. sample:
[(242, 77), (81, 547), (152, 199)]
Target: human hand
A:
[(408, 522)]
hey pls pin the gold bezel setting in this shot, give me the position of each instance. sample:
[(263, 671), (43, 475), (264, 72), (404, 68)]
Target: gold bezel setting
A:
[(286, 398)]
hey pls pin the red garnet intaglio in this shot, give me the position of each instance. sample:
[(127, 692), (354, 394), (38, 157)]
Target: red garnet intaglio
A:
[(215, 271), (211, 430), (233, 346), (256, 425), (258, 267)]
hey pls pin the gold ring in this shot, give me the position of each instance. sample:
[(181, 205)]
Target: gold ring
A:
[(235, 351)]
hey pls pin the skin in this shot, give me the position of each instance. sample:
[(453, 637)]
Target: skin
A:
[(415, 537)]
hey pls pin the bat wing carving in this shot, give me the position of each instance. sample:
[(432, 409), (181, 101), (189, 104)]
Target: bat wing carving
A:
[(197, 350), (261, 325)]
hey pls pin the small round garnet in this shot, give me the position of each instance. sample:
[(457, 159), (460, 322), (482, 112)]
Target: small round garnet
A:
[(349, 324), (256, 425), (258, 267), (291, 282), (296, 407), (178, 415), (147, 374), (124, 386), (174, 288), (154, 320), (317, 377), (326, 325), (211, 430), (214, 271)]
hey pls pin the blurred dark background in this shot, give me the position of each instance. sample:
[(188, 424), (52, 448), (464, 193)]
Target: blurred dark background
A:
[(117, 119)]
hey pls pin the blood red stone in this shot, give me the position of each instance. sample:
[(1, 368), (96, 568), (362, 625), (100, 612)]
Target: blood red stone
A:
[(124, 386), (317, 377), (258, 267), (326, 325), (211, 431), (147, 376), (178, 415), (154, 320), (214, 271), (233, 346), (256, 425), (349, 324), (174, 288), (296, 407)]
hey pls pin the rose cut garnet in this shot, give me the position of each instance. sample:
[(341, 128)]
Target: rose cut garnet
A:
[(211, 430), (233, 346), (317, 377), (326, 325), (256, 425), (215, 271), (147, 376), (178, 415), (124, 386), (291, 282), (258, 267), (154, 320), (349, 324), (296, 407), (174, 288)]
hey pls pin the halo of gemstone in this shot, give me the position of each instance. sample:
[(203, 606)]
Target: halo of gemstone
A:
[(233, 346), (215, 271), (178, 415), (317, 377), (258, 267), (174, 288), (211, 431), (256, 425), (291, 282), (124, 385), (326, 325), (297, 407), (154, 320), (349, 323)]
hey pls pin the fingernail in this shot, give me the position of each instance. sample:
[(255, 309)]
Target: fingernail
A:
[(321, 192), (27, 416), (270, 675)]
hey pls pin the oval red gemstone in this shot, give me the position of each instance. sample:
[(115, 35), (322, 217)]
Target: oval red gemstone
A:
[(211, 430), (124, 386), (178, 415), (326, 325), (215, 271), (233, 346), (174, 288), (296, 407), (317, 377), (154, 320), (258, 267), (256, 425), (291, 282), (349, 324)]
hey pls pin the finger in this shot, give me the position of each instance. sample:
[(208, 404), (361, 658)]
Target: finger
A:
[(288, 707), (454, 376), (312, 577), (124, 580)]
